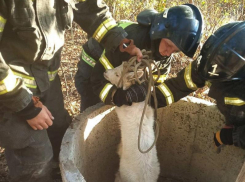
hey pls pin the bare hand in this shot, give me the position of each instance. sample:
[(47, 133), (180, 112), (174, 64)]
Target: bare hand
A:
[(127, 45), (137, 52), (43, 120)]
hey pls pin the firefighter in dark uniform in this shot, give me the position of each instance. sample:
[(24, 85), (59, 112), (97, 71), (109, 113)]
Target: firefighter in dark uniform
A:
[(220, 65), (91, 53), (32, 115), (176, 29)]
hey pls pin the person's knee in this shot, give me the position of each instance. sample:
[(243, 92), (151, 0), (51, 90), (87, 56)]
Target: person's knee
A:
[(32, 161)]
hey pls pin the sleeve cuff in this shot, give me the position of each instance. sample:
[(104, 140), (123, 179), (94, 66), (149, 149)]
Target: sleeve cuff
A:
[(30, 111)]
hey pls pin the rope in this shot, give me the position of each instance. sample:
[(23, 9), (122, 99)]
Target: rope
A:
[(145, 64)]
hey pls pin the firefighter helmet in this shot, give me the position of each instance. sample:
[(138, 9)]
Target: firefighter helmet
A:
[(183, 25), (222, 57)]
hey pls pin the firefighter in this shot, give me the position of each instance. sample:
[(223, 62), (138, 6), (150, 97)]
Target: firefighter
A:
[(221, 66), (32, 115), (175, 29), (91, 52)]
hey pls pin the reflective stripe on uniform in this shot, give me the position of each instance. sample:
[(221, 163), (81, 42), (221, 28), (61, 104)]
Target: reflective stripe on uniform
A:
[(89, 60), (208, 84), (189, 83), (103, 29), (52, 75), (104, 92), (8, 83), (2, 23), (103, 59), (161, 79), (30, 81), (234, 101), (105, 62), (166, 92), (125, 23)]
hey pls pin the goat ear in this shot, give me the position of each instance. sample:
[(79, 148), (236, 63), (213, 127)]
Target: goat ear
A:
[(130, 76)]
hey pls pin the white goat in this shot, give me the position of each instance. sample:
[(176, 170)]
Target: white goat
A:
[(134, 165)]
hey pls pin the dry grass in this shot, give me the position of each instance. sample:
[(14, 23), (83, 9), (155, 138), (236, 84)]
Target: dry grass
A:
[(75, 38)]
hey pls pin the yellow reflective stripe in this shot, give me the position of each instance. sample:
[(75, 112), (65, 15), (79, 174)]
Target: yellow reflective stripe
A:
[(3, 90), (208, 84), (8, 83), (103, 29), (166, 92), (234, 101), (125, 23), (23, 76), (30, 81), (161, 79), (86, 58), (189, 83), (28, 85), (105, 62), (2, 23), (52, 75), (104, 92)]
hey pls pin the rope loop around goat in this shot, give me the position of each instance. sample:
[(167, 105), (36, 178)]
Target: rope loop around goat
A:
[(146, 63)]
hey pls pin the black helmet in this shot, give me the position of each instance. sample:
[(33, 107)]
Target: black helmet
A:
[(222, 57), (183, 25)]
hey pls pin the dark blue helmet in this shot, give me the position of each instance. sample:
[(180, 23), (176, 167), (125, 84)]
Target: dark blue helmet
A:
[(222, 57), (183, 25)]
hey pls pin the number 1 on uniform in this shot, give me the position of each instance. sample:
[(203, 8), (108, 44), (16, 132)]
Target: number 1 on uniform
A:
[(214, 70)]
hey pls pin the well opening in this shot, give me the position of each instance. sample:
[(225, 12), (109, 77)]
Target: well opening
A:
[(185, 148)]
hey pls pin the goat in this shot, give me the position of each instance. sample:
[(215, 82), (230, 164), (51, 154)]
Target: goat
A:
[(134, 165)]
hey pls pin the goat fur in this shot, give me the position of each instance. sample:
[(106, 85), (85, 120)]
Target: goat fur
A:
[(134, 165)]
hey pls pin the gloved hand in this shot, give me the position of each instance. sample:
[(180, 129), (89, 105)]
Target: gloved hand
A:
[(135, 93), (223, 137), (127, 45)]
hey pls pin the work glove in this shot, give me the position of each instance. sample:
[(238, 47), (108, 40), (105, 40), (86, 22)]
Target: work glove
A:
[(223, 137), (135, 93), (127, 45)]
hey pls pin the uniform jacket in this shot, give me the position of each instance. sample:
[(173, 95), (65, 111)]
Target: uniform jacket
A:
[(140, 35), (230, 97), (31, 40)]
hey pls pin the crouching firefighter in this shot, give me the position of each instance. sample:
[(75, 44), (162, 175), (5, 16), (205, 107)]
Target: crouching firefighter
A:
[(175, 29), (221, 66)]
